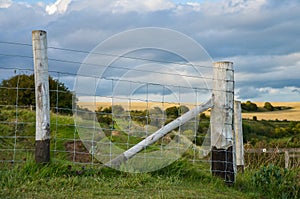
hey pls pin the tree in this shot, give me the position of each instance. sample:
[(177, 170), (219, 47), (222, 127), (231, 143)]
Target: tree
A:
[(117, 110), (19, 90), (249, 106), (268, 106), (104, 116), (172, 112), (156, 117), (183, 109)]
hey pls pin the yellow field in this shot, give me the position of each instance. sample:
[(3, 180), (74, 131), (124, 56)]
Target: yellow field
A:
[(132, 106), (290, 114)]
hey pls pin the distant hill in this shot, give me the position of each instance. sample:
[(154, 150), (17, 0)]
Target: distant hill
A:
[(292, 114)]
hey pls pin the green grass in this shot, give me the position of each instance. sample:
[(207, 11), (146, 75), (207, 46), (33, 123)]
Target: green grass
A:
[(182, 179), (17, 131), (64, 179), (61, 180)]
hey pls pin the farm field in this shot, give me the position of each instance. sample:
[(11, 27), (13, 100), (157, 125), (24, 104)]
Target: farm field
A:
[(132, 106), (292, 114)]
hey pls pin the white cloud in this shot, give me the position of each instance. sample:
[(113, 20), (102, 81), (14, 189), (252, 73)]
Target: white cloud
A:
[(60, 6), (195, 5), (215, 8), (123, 6), (5, 3)]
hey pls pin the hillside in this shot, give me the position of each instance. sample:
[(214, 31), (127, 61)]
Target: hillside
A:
[(292, 114)]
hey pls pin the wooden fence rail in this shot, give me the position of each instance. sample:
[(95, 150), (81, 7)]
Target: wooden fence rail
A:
[(288, 153)]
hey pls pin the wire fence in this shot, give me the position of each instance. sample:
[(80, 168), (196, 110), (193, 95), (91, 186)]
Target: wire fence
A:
[(18, 101), (131, 99), (113, 111)]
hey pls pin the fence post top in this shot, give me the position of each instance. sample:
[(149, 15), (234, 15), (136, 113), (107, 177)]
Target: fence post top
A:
[(39, 32), (223, 62)]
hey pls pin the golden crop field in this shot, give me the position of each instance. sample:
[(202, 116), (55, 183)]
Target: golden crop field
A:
[(289, 114), (292, 114), (132, 106)]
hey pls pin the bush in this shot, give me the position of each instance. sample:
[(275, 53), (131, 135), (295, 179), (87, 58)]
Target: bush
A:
[(268, 106), (249, 107), (275, 182)]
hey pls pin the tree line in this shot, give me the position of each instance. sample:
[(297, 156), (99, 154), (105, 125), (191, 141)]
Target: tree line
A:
[(252, 107)]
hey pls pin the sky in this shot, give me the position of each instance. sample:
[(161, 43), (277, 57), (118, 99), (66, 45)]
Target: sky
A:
[(261, 37)]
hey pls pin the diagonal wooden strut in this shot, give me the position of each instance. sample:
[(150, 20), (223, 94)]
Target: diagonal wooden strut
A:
[(159, 134)]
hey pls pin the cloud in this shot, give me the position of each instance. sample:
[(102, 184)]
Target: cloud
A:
[(5, 3), (245, 93), (60, 7), (123, 6), (296, 91), (268, 94), (261, 37)]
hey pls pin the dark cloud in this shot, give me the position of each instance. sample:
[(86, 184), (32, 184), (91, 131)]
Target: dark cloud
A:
[(296, 91), (245, 93)]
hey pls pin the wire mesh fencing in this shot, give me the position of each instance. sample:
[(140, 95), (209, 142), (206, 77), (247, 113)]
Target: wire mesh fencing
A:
[(95, 116)]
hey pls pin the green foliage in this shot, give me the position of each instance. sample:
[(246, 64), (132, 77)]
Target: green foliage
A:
[(174, 111), (268, 106), (273, 133), (249, 107), (275, 182), (141, 117), (104, 116), (156, 117), (20, 90), (252, 107)]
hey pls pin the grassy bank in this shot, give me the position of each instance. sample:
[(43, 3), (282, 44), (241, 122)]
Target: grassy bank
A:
[(61, 180), (182, 179), (179, 180)]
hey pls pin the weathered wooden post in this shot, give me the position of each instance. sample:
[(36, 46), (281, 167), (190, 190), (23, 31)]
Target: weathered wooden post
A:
[(222, 154), (41, 77), (238, 134), (286, 159)]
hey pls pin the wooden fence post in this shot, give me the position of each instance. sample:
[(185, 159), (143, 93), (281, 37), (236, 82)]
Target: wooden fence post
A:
[(41, 77), (222, 154), (238, 134), (286, 159)]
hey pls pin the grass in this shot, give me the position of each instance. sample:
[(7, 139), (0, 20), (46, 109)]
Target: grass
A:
[(62, 180)]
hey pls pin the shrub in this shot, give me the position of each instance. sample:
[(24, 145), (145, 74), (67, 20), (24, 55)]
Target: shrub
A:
[(275, 182), (268, 106)]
